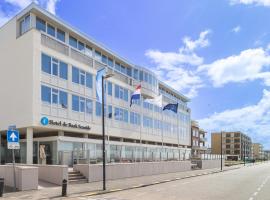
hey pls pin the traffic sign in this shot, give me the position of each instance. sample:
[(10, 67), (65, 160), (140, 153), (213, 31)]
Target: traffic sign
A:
[(13, 136), (13, 145)]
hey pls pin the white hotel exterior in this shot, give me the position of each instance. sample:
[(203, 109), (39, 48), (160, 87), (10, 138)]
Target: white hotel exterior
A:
[(48, 69)]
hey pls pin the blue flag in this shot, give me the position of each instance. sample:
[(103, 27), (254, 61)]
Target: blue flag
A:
[(100, 73), (172, 107)]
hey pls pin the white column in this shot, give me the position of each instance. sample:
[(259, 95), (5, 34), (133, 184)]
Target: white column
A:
[(29, 146)]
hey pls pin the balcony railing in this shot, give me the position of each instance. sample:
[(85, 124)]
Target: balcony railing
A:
[(54, 44)]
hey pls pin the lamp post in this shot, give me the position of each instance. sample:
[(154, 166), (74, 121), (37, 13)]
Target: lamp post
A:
[(103, 130), (221, 151)]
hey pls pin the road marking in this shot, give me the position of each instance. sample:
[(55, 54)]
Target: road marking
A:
[(255, 193), (185, 183)]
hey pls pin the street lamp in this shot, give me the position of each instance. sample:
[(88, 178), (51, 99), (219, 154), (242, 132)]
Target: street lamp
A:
[(103, 130), (221, 151)]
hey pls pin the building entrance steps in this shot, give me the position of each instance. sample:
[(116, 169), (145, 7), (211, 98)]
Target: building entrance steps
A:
[(74, 190), (75, 177)]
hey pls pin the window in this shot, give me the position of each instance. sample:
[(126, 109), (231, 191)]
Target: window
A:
[(45, 94), (135, 74), (46, 63), (110, 88), (82, 77), (89, 106), (110, 62), (121, 93), (55, 67), (61, 35), (89, 80), (135, 118), (54, 96), (73, 42), (63, 99), (129, 73), (75, 103), (121, 114), (141, 75), (82, 104), (75, 75), (109, 114), (147, 122), (25, 24), (123, 69), (63, 71), (98, 109), (98, 55), (88, 51), (81, 46), (51, 30), (40, 24), (104, 59), (117, 67)]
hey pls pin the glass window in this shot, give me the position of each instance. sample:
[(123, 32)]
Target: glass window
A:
[(25, 24), (46, 63), (89, 106), (40, 24), (89, 80), (125, 116), (55, 67), (98, 109), (82, 104), (75, 103), (125, 94), (123, 69), (61, 35), (116, 92), (88, 51), (109, 114), (54, 96), (136, 74), (141, 75), (82, 77), (110, 88), (45, 94), (81, 46), (117, 67), (98, 55), (63, 99), (73, 42), (51, 30), (110, 62), (63, 70), (129, 72), (104, 59), (75, 75)]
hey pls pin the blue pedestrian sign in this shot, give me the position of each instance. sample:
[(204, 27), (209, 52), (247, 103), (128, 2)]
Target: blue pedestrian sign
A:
[(13, 136)]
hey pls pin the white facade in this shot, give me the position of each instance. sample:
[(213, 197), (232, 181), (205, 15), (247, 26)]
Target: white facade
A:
[(23, 77)]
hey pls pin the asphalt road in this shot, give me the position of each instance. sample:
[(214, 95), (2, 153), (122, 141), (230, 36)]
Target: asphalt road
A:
[(247, 183)]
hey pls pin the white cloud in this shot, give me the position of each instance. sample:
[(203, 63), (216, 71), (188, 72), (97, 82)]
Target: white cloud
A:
[(170, 66), (253, 120), (236, 29), (249, 65), (18, 5), (251, 2)]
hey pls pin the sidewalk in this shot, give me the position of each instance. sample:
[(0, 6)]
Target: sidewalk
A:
[(88, 189)]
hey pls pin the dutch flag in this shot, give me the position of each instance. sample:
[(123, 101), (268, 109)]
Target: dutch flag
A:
[(136, 95)]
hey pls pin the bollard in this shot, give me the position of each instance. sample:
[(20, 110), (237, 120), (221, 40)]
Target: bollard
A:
[(64, 188), (1, 186)]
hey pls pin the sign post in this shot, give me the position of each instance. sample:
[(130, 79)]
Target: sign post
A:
[(13, 138)]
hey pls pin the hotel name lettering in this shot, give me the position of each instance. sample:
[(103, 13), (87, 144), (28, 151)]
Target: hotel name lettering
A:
[(70, 125)]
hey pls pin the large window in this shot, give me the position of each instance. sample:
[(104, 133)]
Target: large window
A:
[(25, 24), (54, 96), (73, 42), (46, 63), (81, 104), (147, 122), (121, 93), (51, 30), (98, 109), (40, 24), (61, 35), (135, 118), (121, 114), (109, 88), (82, 77), (75, 103)]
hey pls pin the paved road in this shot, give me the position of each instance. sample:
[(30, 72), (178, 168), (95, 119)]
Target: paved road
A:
[(247, 183)]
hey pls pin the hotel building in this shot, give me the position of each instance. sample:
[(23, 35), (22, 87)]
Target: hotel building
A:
[(47, 79)]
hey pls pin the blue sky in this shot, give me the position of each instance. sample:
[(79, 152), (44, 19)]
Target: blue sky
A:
[(215, 52)]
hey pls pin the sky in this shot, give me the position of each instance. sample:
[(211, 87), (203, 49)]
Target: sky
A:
[(215, 52)]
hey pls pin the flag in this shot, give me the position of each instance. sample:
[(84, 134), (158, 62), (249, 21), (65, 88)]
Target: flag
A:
[(156, 101), (136, 95), (100, 73), (172, 107)]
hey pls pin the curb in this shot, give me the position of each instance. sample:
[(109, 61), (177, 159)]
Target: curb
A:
[(151, 184)]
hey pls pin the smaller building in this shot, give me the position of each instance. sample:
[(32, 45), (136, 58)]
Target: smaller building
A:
[(198, 140), (235, 145), (258, 153)]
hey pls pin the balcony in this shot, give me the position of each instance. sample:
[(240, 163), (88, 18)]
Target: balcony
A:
[(54, 44), (203, 148), (203, 139)]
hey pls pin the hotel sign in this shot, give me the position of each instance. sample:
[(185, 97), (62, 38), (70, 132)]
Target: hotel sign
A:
[(45, 121)]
